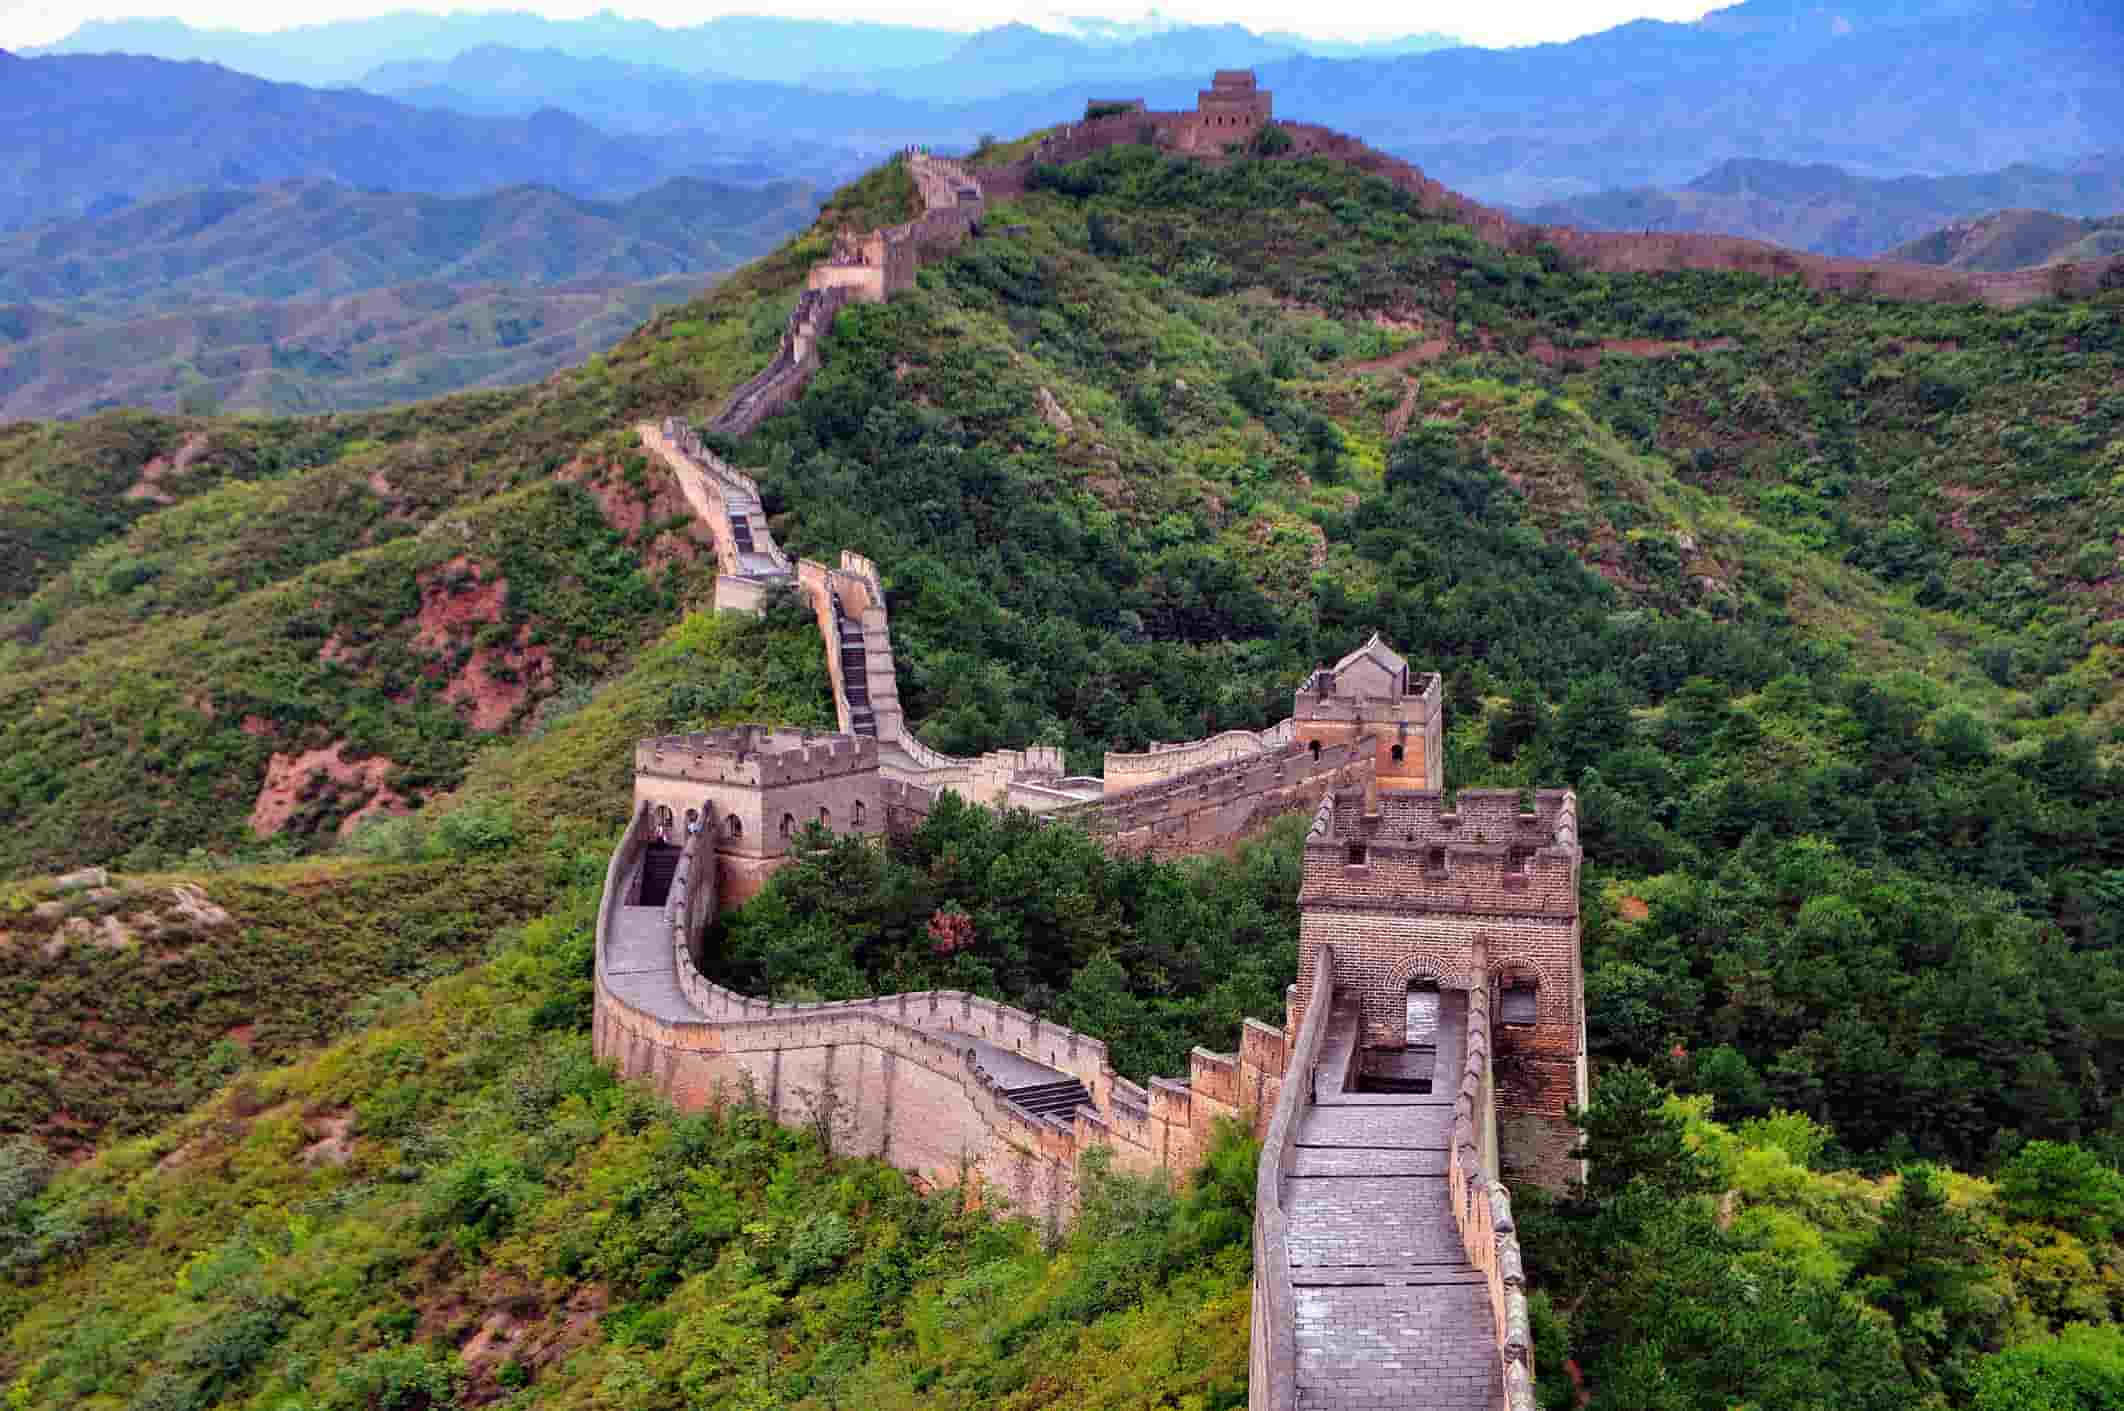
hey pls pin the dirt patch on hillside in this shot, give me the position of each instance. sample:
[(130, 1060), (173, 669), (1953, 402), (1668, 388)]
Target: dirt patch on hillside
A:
[(496, 680), (1416, 354), (457, 595), (149, 485), (635, 512), (331, 1139), (1958, 518), (299, 780)]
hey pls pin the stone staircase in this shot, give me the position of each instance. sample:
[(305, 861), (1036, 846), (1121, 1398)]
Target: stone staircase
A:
[(1051, 1099), (855, 671), (659, 865)]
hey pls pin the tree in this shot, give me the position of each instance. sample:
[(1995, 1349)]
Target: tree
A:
[(1594, 720), (1629, 1138), (2067, 1186), (2081, 1369), (1518, 725), (1919, 1268)]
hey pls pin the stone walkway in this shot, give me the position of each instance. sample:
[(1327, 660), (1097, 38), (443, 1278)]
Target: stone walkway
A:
[(1390, 1313)]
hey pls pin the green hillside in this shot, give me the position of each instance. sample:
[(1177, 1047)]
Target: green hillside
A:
[(1810, 599)]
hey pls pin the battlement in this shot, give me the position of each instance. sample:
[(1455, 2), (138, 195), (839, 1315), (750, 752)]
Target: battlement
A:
[(1486, 855), (755, 756)]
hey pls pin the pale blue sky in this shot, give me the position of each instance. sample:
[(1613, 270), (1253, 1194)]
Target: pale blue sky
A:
[(27, 22)]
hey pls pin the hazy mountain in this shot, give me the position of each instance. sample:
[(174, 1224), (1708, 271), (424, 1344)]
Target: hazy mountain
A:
[(1017, 58), (2015, 240), (1883, 89), (395, 344), (625, 97), (1831, 211), (321, 240), (1879, 87), (84, 135), (311, 295), (1362, 49), (757, 46)]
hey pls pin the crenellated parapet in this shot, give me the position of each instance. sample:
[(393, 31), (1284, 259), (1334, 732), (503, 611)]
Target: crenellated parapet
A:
[(932, 1081)]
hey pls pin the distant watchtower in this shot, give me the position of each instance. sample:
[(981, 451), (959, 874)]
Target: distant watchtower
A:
[(1230, 110), (751, 788)]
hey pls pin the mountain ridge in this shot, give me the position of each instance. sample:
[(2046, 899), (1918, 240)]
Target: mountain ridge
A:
[(1830, 210), (2017, 239)]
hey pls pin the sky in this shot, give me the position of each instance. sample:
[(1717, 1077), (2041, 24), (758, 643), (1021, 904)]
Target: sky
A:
[(1501, 22)]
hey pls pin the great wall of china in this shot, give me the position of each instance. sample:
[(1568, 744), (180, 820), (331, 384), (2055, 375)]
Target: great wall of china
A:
[(1435, 1037)]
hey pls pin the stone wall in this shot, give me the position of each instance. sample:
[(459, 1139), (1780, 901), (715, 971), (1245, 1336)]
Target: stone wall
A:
[(1616, 252), (1482, 1209), (900, 1070), (1163, 761), (783, 379), (1272, 1347), (868, 268), (1212, 805)]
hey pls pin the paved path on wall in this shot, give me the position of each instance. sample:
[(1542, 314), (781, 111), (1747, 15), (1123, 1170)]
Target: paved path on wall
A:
[(1390, 1312), (638, 964), (639, 969)]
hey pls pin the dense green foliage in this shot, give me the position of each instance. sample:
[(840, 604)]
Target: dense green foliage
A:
[(1804, 1287), (1852, 778), (1153, 957)]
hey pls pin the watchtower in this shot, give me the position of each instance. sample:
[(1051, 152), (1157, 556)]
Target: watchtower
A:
[(1230, 110), (1420, 896), (1371, 694), (752, 788)]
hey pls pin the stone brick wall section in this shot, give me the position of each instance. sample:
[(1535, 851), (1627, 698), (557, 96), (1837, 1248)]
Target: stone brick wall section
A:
[(1162, 761), (1272, 1351), (1480, 895), (870, 268), (1482, 1211), (901, 1067), (1618, 252)]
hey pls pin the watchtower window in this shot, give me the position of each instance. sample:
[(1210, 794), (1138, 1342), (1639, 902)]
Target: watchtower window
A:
[(858, 813), (825, 816), (1516, 1003), (1435, 860), (1314, 747), (1357, 855), (735, 825), (788, 826), (1398, 751)]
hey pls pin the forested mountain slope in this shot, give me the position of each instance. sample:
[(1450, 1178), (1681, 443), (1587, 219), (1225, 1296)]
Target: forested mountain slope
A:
[(1810, 598)]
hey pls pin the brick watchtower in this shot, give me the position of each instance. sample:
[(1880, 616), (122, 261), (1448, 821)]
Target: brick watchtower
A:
[(752, 787), (1419, 898)]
